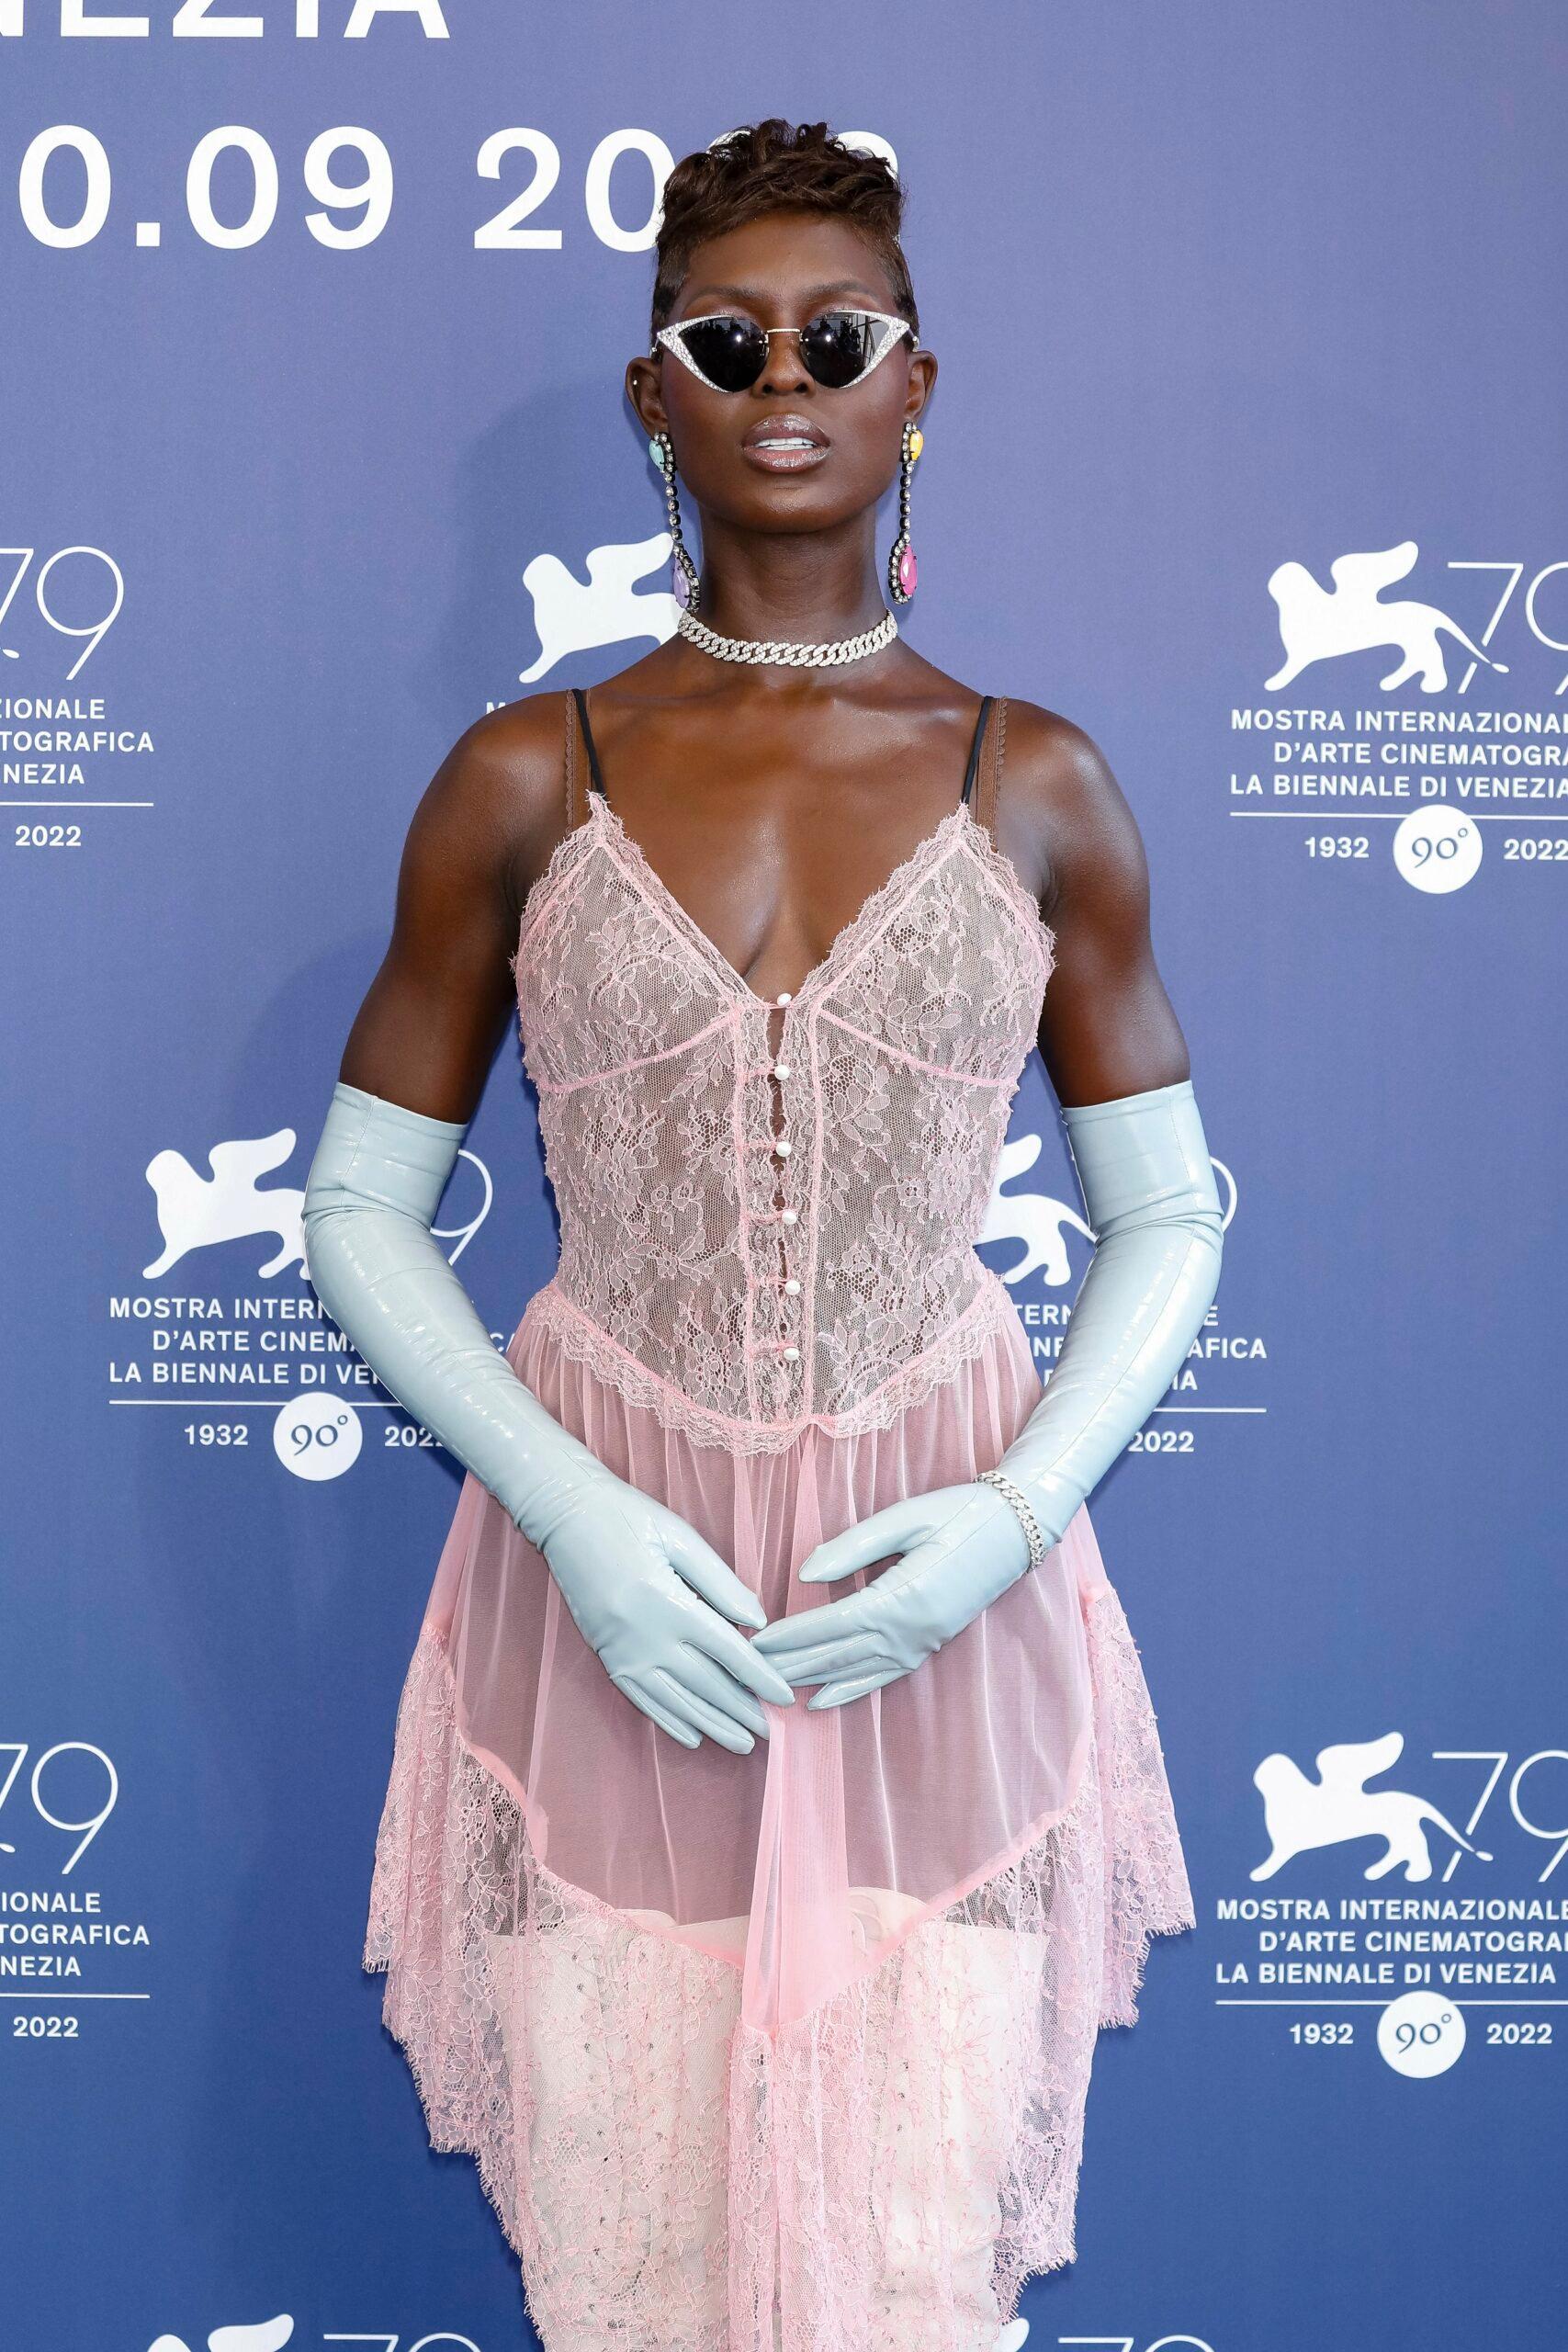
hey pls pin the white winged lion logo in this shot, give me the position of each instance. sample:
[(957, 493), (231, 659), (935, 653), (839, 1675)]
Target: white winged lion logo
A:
[(1300, 1814)]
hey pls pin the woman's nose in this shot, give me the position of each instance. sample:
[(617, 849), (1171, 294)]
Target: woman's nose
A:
[(786, 371)]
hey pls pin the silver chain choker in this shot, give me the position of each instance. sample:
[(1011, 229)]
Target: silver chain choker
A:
[(784, 650)]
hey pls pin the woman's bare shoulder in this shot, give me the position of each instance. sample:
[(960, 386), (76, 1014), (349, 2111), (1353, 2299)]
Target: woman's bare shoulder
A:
[(514, 753), (1061, 810), (502, 786), (1049, 757)]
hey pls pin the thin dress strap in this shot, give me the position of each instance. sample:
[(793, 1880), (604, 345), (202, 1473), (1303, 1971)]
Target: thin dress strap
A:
[(578, 706), (989, 783), (973, 769), (596, 779), (575, 812)]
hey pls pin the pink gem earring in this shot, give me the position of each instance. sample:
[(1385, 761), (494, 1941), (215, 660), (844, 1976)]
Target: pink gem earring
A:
[(902, 569), (683, 582)]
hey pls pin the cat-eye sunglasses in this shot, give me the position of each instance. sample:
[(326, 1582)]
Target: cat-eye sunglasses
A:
[(728, 350)]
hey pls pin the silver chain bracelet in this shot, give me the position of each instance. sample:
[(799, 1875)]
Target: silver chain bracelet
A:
[(1038, 1547)]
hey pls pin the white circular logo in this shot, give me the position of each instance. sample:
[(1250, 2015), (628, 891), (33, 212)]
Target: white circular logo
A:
[(317, 1436), (1421, 2034), (1437, 848)]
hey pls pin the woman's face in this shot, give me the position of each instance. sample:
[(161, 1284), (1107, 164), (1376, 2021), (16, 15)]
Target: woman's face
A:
[(781, 270)]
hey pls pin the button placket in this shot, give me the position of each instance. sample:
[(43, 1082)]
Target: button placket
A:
[(778, 1217), (782, 1148)]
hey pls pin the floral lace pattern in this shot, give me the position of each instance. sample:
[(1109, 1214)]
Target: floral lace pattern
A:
[(884, 2172), (771, 1229), (787, 2052)]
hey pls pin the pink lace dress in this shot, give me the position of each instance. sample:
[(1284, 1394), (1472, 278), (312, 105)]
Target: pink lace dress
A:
[(791, 2049)]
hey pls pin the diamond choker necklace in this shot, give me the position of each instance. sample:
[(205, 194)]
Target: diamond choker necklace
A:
[(782, 649)]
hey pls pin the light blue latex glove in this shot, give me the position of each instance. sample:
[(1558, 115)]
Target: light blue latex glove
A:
[(650, 1597), (1149, 1191)]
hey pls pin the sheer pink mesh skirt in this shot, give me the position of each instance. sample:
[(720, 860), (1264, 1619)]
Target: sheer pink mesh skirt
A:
[(788, 2049)]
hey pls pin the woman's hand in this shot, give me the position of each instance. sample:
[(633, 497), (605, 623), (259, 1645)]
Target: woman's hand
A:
[(961, 1546), (660, 1608), (651, 1598)]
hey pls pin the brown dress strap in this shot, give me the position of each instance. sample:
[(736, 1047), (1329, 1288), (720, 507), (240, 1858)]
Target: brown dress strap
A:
[(576, 798), (987, 786)]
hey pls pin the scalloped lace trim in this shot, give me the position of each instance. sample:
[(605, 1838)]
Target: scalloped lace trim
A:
[(586, 1342), (918, 2137), (574, 845)]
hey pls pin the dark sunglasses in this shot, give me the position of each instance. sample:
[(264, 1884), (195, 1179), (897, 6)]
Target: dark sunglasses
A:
[(728, 350)]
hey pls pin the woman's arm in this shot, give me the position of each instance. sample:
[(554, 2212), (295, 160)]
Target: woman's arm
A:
[(1112, 1044), (650, 1595), (427, 1032)]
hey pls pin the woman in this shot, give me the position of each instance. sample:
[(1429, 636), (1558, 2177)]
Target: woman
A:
[(777, 1809)]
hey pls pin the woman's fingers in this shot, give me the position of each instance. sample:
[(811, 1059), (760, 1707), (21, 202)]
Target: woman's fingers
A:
[(839, 1694), (821, 1662), (681, 1714), (700, 1715), (695, 1561), (630, 1688), (880, 1537), (698, 1674), (809, 1628), (743, 1659)]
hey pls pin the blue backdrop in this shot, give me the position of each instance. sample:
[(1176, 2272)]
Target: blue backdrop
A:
[(1252, 349)]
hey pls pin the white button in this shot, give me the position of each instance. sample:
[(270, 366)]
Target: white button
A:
[(784, 1147), (787, 998), (787, 1216), (792, 1355), (780, 1070), (791, 1285)]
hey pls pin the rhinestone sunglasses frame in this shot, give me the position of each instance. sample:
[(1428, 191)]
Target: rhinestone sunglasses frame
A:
[(669, 338)]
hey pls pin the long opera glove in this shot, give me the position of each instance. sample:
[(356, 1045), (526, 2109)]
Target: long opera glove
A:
[(648, 1595), (1148, 1188)]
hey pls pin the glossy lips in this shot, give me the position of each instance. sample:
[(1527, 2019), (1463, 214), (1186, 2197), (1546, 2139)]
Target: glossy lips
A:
[(784, 443)]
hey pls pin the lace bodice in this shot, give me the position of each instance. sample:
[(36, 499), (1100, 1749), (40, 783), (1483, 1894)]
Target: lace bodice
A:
[(768, 1211)]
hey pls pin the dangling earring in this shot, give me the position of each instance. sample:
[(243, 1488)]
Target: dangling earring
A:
[(902, 569), (683, 579)]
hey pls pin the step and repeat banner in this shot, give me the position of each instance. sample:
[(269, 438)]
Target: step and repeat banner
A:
[(1248, 455)]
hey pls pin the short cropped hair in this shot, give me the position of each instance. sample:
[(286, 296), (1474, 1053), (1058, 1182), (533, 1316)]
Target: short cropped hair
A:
[(778, 166)]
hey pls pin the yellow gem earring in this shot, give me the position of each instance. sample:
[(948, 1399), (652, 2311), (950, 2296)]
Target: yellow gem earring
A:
[(902, 569)]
